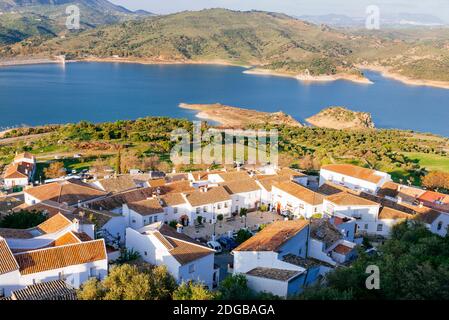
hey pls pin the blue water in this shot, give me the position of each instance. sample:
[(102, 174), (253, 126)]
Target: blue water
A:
[(43, 94)]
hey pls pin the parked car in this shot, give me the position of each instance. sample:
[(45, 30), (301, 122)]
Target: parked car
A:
[(215, 245), (228, 243)]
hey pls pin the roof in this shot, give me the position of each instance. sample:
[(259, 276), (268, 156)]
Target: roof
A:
[(203, 175), (24, 155), (273, 236), (183, 248), (7, 261), (51, 290), (172, 199), (354, 171), (118, 200), (234, 175), (146, 207), (431, 196), (47, 206), (68, 191), (274, 273), (300, 192), (328, 188), (428, 217), (61, 257), (9, 202), (156, 182), (347, 199), (390, 213), (213, 195), (241, 186), (304, 263), (342, 249), (323, 230), (267, 182), (54, 224), (18, 170), (290, 173), (117, 184), (390, 189), (51, 225)]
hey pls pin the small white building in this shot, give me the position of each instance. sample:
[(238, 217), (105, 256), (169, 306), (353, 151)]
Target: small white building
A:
[(55, 250), (21, 171), (244, 194), (274, 260), (437, 222), (353, 177), (185, 259), (143, 213), (296, 199)]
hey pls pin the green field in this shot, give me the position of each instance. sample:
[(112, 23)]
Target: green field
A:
[(431, 162)]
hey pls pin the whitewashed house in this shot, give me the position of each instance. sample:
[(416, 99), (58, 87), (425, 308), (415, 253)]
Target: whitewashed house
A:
[(54, 250), (437, 222), (220, 177), (244, 194), (143, 213), (275, 259), (296, 199), (185, 259), (21, 171), (353, 177)]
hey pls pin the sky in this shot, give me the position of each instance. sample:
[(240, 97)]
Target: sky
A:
[(439, 8)]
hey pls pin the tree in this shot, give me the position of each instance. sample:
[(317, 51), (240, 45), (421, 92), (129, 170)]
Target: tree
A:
[(243, 214), (126, 282), (234, 287), (192, 291), (435, 180), (412, 266), (118, 162), (199, 219), (23, 220), (242, 236), (55, 170), (220, 218)]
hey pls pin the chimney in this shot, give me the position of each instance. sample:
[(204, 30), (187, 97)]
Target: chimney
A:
[(421, 204), (399, 199), (399, 187)]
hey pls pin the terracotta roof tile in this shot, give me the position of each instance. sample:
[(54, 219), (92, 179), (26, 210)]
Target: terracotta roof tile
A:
[(18, 170), (354, 171), (146, 207), (233, 176), (118, 184), (61, 257), (272, 237), (390, 213), (342, 249), (173, 199), (274, 273), (7, 261), (69, 191), (54, 224), (241, 186), (212, 195), (51, 290), (347, 199), (300, 192)]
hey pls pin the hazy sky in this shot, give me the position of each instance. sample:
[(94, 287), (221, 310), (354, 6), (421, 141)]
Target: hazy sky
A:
[(439, 8)]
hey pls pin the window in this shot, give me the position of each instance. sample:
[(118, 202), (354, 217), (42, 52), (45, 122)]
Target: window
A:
[(300, 251), (366, 226), (92, 272), (175, 210), (2, 292), (198, 210), (440, 226), (219, 206), (192, 268), (145, 253), (301, 206), (155, 218), (204, 209), (150, 220), (226, 205), (379, 227), (134, 220)]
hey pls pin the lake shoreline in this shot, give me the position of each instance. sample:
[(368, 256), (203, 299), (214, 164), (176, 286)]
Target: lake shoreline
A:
[(387, 73)]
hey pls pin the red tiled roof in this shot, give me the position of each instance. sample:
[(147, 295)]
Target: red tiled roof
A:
[(354, 171), (7, 261)]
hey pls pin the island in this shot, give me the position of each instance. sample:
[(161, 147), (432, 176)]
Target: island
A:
[(233, 117), (341, 118)]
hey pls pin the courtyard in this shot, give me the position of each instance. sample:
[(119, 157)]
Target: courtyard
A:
[(223, 228)]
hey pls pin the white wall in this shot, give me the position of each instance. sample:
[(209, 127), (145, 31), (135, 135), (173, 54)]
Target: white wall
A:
[(297, 206), (443, 221), (248, 200), (10, 282), (19, 182), (276, 287), (203, 271), (353, 183), (317, 251)]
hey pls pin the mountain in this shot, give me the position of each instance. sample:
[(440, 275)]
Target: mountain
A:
[(20, 19), (400, 20), (271, 42)]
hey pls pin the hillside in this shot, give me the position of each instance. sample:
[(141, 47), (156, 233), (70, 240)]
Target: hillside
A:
[(341, 118), (21, 19)]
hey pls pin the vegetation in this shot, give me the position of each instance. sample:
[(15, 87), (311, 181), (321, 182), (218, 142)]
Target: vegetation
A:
[(127, 255), (22, 220), (126, 282), (55, 170), (242, 236), (413, 265), (192, 291), (436, 180), (234, 287)]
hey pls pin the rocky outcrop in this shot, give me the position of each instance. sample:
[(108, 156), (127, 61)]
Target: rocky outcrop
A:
[(341, 118)]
